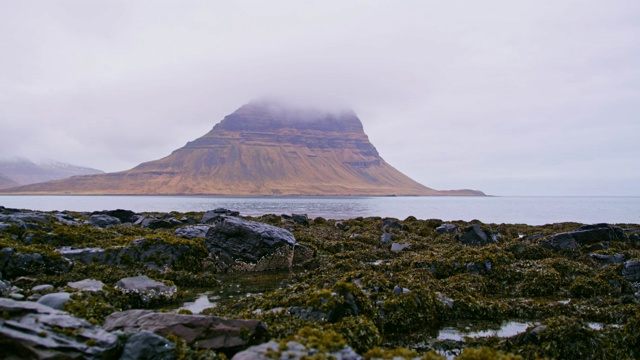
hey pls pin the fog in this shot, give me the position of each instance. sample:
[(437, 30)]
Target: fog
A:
[(508, 97)]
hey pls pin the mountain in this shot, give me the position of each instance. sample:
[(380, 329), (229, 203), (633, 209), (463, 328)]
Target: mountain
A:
[(6, 182), (20, 171), (263, 148)]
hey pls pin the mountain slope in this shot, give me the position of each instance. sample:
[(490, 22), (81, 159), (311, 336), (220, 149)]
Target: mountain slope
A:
[(262, 149), (23, 172), (6, 182)]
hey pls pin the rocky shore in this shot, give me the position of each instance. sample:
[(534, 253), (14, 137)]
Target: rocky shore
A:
[(112, 285)]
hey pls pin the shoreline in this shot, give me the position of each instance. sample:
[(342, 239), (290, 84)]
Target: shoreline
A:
[(397, 284)]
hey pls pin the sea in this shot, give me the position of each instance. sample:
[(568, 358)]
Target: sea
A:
[(531, 210)]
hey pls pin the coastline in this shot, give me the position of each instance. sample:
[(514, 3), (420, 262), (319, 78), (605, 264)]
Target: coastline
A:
[(397, 283)]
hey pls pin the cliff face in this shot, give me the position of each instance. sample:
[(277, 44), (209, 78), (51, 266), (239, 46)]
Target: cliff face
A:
[(262, 149)]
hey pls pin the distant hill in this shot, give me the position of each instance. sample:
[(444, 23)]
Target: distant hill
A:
[(21, 171), (263, 148), (6, 182)]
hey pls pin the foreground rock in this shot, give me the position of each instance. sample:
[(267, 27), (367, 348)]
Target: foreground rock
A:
[(146, 288), (587, 235), (148, 252), (34, 331), (207, 332), (294, 350), (251, 246)]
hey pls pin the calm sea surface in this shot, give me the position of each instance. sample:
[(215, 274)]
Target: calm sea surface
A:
[(508, 209)]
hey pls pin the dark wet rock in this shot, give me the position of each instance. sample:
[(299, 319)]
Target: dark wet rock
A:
[(294, 351), (154, 224), (399, 246), (609, 259), (103, 221), (23, 264), (5, 287), (562, 241), (534, 237), (146, 345), (24, 217), (150, 253), (391, 224), (597, 236), (386, 238), (55, 300), (347, 307), (5, 255), (341, 225), (307, 313), (479, 268), (474, 236), (146, 288), (301, 219), (125, 216), (4, 226), (33, 331), (87, 255), (631, 270), (399, 290), (66, 219), (44, 288), (302, 255), (207, 332), (532, 336), (247, 245), (86, 285), (192, 231), (447, 229), (210, 216)]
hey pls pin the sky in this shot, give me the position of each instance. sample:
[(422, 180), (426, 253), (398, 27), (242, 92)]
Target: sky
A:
[(528, 98)]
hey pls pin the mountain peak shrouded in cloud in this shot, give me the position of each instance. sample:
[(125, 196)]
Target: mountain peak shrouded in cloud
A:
[(262, 148)]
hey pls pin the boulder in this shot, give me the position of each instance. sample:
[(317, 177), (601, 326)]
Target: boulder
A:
[(146, 345), (301, 219), (479, 268), (192, 231), (585, 235), (562, 241), (399, 246), (210, 216), (447, 229), (125, 216), (225, 335), (55, 300), (154, 224), (474, 236), (44, 288), (33, 331), (103, 221), (389, 224), (609, 259), (294, 351), (150, 253), (18, 264), (24, 217), (146, 288), (386, 238), (302, 255), (86, 285), (631, 270), (247, 245)]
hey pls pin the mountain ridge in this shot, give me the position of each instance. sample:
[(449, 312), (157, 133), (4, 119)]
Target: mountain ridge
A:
[(262, 148)]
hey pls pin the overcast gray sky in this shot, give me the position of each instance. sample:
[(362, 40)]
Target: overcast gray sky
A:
[(509, 97)]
